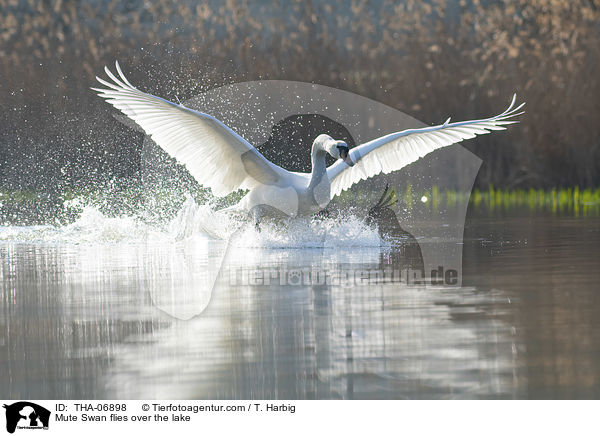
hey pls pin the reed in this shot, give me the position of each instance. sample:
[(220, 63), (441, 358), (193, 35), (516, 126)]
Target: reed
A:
[(428, 58)]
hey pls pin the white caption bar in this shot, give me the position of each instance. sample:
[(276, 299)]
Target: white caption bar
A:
[(23, 417)]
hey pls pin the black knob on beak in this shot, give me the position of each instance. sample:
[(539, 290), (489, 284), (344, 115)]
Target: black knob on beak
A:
[(345, 155)]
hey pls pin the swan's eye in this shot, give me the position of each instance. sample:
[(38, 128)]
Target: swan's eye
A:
[(343, 151)]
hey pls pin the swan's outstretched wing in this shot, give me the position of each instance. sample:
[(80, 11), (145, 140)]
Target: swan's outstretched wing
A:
[(214, 154), (397, 150)]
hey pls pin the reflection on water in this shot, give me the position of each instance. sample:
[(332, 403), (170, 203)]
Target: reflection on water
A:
[(110, 321)]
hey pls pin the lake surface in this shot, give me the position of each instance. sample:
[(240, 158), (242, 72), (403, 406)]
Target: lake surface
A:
[(179, 319)]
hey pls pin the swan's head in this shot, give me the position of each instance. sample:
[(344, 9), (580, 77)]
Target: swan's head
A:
[(336, 148), (343, 152)]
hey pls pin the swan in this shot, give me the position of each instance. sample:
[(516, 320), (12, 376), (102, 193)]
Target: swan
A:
[(219, 158)]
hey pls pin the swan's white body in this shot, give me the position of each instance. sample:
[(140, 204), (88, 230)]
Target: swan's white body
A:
[(221, 159)]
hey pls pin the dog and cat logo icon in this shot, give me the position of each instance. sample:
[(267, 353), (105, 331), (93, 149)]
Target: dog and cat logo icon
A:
[(26, 415)]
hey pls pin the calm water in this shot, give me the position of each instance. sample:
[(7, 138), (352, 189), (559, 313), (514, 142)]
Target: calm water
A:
[(116, 320)]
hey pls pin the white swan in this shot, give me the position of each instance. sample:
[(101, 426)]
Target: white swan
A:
[(221, 159)]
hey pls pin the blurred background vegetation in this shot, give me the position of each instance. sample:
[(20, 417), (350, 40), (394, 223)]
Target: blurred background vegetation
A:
[(431, 59)]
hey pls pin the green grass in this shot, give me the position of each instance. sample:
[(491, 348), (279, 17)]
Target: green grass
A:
[(566, 201), (30, 207)]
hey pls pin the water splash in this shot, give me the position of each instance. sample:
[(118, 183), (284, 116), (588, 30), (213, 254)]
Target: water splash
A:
[(309, 233), (92, 226), (95, 225)]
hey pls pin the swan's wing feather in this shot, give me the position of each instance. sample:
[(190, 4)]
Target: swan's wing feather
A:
[(397, 150), (213, 153)]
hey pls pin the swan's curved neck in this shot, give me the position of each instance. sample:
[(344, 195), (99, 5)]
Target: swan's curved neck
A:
[(319, 163)]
